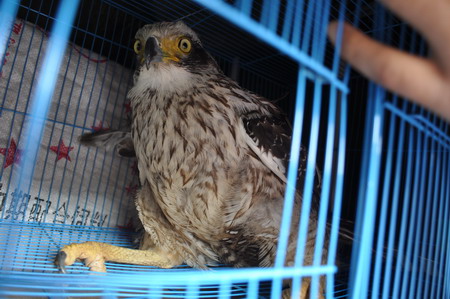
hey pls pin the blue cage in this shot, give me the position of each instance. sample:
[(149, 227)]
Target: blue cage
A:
[(66, 67)]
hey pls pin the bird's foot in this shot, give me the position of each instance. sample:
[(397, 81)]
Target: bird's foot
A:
[(95, 254), (91, 253)]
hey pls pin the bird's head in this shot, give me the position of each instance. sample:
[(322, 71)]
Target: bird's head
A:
[(171, 44)]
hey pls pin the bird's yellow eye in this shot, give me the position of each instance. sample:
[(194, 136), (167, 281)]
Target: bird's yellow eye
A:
[(137, 46), (185, 45)]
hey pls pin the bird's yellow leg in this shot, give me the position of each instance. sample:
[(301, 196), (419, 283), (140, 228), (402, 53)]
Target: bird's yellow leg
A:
[(304, 290), (95, 254), (305, 287), (306, 282)]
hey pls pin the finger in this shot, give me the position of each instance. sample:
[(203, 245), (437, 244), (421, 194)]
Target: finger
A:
[(432, 19), (410, 76)]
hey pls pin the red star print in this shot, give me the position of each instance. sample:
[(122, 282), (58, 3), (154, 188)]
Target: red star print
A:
[(127, 107), (128, 226), (131, 189), (134, 168), (61, 150), (12, 153), (99, 127)]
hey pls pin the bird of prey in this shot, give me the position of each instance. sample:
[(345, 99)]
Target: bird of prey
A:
[(212, 160)]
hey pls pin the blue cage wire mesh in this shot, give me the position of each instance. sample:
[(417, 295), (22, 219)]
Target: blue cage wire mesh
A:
[(55, 191), (401, 232)]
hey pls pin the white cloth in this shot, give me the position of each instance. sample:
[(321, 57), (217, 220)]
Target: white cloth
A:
[(75, 185)]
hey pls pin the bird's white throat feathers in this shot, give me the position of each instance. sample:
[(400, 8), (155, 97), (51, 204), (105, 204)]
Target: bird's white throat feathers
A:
[(164, 79)]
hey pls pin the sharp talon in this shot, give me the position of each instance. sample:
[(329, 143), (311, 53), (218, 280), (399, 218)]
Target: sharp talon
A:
[(60, 261)]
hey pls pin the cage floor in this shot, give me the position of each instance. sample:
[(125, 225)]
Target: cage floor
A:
[(27, 251)]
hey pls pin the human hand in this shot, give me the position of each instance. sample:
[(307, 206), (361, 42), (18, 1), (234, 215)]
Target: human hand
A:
[(425, 81)]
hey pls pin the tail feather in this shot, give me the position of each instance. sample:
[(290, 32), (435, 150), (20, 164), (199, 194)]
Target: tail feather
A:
[(119, 140)]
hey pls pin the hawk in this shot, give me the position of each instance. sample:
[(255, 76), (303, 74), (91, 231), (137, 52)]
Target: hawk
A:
[(212, 160)]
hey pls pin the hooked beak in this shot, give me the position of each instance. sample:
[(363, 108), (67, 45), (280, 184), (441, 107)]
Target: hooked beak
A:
[(152, 51)]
